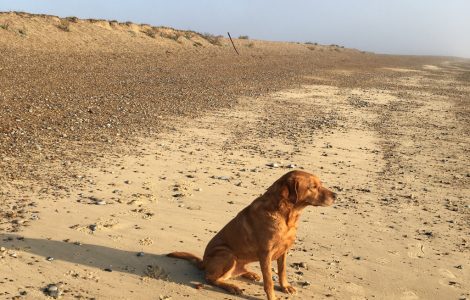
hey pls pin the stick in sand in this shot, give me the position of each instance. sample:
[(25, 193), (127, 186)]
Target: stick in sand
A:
[(232, 43)]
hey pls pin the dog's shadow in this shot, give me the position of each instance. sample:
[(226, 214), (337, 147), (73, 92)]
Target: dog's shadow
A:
[(105, 258)]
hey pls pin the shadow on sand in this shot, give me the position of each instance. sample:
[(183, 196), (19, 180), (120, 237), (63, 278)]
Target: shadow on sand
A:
[(101, 257)]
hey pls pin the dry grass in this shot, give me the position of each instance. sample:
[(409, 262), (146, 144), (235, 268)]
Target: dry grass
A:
[(188, 34), (72, 19), (5, 26), (170, 35), (213, 39), (64, 25), (96, 20), (151, 32)]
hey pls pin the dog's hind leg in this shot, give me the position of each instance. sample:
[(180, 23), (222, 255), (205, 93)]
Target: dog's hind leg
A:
[(242, 271), (219, 268), (251, 276)]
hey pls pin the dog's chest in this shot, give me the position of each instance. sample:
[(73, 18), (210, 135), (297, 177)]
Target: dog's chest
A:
[(283, 240)]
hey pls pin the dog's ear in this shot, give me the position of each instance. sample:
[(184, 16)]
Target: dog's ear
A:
[(295, 189)]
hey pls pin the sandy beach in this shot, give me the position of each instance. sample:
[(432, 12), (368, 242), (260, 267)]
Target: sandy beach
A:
[(94, 211)]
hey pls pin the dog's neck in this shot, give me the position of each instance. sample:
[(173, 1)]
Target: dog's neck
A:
[(290, 211)]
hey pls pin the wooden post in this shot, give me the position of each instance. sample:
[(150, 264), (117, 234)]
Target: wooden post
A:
[(232, 43)]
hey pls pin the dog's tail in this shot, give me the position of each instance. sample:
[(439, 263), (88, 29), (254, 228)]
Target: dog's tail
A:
[(188, 256)]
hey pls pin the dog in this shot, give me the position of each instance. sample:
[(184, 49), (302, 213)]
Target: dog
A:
[(263, 231)]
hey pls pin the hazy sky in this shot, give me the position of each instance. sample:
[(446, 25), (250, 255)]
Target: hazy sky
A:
[(440, 27)]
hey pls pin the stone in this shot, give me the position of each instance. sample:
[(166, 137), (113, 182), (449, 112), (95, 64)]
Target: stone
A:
[(53, 291)]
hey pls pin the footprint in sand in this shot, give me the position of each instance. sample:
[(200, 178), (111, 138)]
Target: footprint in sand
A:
[(383, 260), (447, 273), (156, 272), (448, 277), (355, 289), (146, 241), (415, 250), (409, 295)]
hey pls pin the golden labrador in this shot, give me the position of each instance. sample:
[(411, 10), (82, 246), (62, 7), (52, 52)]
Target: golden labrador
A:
[(263, 231)]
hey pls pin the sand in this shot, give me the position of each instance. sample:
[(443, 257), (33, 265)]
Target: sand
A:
[(392, 143)]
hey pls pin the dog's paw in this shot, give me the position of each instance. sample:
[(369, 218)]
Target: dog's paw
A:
[(233, 289), (252, 276), (288, 289)]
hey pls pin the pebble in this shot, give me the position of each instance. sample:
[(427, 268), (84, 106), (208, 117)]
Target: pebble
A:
[(53, 291), (291, 166), (273, 165), (127, 181), (93, 227), (50, 258), (140, 254), (3, 249), (299, 265), (100, 202), (108, 270), (227, 178), (305, 283), (14, 255)]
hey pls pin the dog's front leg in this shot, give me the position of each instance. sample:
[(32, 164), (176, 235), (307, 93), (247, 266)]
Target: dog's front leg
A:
[(281, 272), (265, 263)]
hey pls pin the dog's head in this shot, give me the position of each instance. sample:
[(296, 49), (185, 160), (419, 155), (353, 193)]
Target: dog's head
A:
[(302, 189)]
